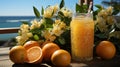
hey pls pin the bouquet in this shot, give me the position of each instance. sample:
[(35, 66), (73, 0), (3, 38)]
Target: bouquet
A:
[(51, 26)]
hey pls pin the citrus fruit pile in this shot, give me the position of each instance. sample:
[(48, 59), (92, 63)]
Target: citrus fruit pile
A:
[(34, 53)]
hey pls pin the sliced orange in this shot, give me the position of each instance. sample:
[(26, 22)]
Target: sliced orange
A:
[(30, 44), (48, 50), (18, 54), (34, 55)]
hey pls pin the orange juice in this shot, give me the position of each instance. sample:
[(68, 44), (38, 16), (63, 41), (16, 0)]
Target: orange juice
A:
[(82, 37)]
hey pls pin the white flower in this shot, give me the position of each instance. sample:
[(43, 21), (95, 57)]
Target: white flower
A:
[(101, 24), (24, 28), (48, 35), (56, 7), (103, 13), (109, 10), (110, 20), (35, 24), (48, 12), (66, 12), (29, 34), (58, 27), (52, 38), (42, 21), (21, 39)]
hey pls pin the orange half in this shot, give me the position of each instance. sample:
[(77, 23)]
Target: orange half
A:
[(30, 44), (34, 55)]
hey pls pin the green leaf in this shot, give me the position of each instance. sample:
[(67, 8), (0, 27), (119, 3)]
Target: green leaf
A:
[(42, 26), (78, 8), (115, 12), (95, 13), (52, 13), (115, 34), (42, 11), (101, 36), (48, 23), (36, 31), (61, 40), (81, 8), (85, 8), (60, 15), (37, 14), (67, 20), (25, 22), (62, 4), (99, 6)]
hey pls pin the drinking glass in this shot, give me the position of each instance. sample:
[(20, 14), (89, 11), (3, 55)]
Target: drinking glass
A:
[(82, 37)]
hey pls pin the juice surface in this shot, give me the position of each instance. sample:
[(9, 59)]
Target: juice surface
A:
[(82, 38)]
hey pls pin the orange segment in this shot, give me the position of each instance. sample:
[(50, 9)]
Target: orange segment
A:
[(34, 55)]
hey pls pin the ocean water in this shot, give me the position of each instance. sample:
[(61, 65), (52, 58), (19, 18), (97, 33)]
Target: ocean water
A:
[(12, 21)]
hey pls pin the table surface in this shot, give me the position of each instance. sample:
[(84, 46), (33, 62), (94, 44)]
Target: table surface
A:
[(96, 62)]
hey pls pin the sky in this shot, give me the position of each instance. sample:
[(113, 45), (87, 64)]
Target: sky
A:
[(25, 7)]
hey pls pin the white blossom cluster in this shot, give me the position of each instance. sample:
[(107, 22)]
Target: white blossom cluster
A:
[(58, 26), (36, 24), (66, 12), (24, 34), (48, 12), (105, 19)]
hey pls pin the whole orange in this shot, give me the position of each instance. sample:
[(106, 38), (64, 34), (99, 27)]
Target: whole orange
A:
[(18, 54), (44, 43), (61, 58), (48, 50), (106, 50), (30, 44)]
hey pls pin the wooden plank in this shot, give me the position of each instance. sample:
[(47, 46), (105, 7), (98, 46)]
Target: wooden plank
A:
[(4, 50), (9, 30), (4, 57)]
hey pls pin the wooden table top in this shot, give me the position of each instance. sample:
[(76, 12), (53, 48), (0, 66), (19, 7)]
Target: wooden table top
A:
[(5, 62)]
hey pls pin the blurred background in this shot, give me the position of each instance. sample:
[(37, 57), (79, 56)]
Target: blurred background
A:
[(14, 11)]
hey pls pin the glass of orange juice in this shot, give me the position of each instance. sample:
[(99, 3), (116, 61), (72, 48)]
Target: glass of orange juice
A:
[(82, 37)]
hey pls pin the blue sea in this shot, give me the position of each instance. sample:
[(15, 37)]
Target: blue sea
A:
[(12, 21)]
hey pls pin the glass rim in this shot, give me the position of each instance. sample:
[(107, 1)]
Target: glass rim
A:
[(75, 15)]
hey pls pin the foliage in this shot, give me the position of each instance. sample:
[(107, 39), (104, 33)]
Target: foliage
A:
[(81, 8), (113, 3), (36, 12), (52, 25), (106, 27)]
